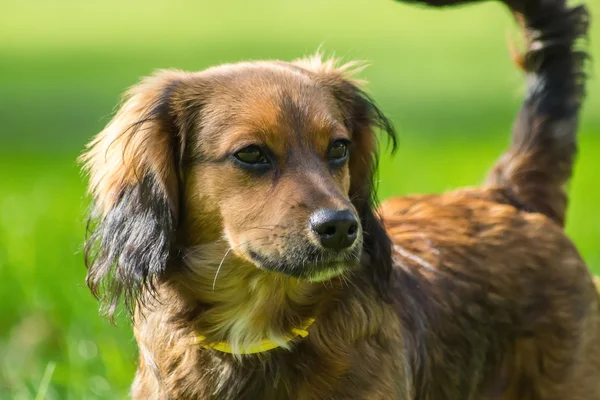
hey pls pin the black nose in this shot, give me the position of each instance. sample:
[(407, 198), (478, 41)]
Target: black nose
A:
[(336, 230)]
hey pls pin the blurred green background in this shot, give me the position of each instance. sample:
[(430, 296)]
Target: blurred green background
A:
[(444, 77)]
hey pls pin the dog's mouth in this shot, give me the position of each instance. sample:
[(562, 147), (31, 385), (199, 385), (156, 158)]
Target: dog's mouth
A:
[(314, 266)]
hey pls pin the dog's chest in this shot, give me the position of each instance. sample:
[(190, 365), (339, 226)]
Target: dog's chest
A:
[(305, 374)]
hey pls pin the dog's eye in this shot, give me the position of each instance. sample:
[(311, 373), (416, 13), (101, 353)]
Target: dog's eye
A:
[(252, 155), (338, 151)]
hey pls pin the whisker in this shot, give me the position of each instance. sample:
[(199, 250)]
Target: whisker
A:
[(219, 268), (195, 249), (199, 248), (294, 202), (263, 227), (345, 280), (359, 192), (225, 256)]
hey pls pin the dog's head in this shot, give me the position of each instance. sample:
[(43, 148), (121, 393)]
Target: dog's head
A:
[(275, 158)]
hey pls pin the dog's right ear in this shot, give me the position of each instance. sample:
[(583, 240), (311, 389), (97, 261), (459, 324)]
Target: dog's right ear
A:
[(134, 168)]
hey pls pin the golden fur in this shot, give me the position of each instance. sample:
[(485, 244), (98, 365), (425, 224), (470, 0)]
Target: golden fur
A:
[(473, 294)]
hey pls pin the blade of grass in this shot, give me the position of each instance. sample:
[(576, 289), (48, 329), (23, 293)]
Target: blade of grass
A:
[(45, 382)]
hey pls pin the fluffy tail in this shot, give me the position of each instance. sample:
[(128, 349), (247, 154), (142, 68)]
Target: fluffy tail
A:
[(538, 164)]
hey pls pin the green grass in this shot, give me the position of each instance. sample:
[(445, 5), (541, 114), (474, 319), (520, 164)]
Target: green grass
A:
[(442, 76)]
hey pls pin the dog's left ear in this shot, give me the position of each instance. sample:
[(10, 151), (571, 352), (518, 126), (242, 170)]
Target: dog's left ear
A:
[(363, 119), (134, 168)]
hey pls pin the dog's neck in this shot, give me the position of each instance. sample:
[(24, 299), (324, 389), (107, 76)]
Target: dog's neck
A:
[(246, 306), (241, 304)]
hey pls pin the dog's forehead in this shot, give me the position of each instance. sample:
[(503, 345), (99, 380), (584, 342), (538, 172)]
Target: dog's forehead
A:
[(281, 86), (274, 102)]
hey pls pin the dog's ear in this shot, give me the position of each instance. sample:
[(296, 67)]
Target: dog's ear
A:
[(134, 168), (363, 119)]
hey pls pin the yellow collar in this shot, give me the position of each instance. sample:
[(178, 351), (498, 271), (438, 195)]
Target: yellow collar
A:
[(263, 345)]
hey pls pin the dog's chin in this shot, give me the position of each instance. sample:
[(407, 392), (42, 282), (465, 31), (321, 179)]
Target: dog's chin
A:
[(323, 274), (321, 271)]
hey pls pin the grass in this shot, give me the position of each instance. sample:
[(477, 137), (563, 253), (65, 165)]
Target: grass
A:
[(442, 76)]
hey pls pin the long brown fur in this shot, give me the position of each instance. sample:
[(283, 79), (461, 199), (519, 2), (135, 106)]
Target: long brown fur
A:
[(472, 294)]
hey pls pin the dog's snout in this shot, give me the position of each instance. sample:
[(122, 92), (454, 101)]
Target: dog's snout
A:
[(336, 229)]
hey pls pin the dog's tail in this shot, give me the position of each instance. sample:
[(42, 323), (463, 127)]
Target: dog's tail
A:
[(539, 162)]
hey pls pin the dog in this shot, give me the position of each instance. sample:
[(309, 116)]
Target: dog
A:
[(234, 215)]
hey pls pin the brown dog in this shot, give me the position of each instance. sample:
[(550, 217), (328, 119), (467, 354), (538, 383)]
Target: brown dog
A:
[(234, 215)]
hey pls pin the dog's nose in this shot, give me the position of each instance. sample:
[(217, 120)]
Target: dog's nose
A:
[(336, 229)]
